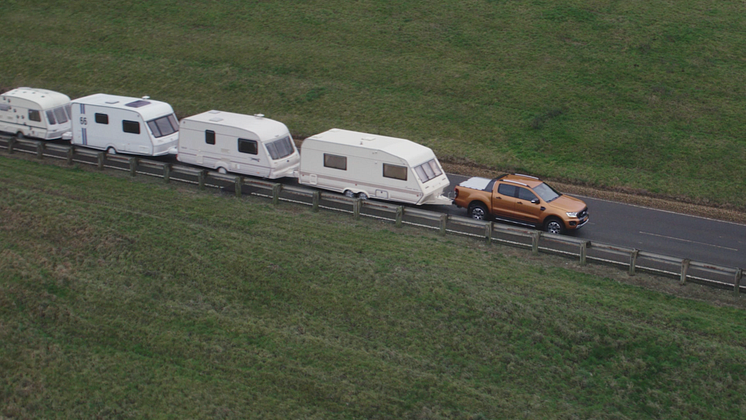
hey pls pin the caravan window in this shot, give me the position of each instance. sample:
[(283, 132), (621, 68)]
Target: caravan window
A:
[(101, 118), (131, 127), (209, 137), (164, 125), (50, 118), (280, 148), (4, 107), (336, 162), (60, 114), (247, 146), (34, 115), (395, 171), (428, 170)]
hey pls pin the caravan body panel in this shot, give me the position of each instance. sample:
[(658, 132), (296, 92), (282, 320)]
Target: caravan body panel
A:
[(382, 167), (124, 124), (245, 144), (39, 113)]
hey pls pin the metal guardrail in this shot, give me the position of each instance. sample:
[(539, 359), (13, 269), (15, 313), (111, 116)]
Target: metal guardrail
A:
[(633, 260)]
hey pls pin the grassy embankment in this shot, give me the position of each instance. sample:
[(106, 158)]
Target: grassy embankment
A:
[(131, 299), (640, 95)]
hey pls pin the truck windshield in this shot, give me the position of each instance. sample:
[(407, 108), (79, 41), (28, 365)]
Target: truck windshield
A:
[(546, 192), (280, 148), (428, 170), (164, 125)]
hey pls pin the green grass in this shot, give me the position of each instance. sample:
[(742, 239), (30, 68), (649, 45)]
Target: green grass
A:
[(131, 299), (642, 95)]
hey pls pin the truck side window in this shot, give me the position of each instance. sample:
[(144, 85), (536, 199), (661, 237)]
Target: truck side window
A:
[(336, 162), (210, 137), (102, 118), (247, 146), (131, 127), (34, 115), (395, 171), (524, 194), (506, 189)]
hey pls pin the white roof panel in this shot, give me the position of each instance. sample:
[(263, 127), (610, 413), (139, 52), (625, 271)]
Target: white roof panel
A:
[(413, 153), (264, 128)]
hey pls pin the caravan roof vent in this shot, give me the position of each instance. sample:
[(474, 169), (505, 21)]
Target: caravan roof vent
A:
[(216, 119), (214, 111), (146, 97), (367, 138), (137, 104), (112, 102), (259, 115)]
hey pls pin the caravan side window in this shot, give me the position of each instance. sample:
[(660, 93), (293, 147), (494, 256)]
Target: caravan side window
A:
[(34, 115), (247, 146), (395, 171), (4, 107), (131, 127), (102, 118), (336, 162), (209, 137)]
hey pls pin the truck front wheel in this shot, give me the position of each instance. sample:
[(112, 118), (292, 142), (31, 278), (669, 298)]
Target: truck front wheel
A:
[(554, 225), (477, 211)]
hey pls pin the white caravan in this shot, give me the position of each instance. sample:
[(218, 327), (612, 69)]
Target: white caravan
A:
[(245, 144), (139, 126), (40, 113), (371, 165)]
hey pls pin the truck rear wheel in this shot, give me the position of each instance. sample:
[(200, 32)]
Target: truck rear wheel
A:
[(477, 211)]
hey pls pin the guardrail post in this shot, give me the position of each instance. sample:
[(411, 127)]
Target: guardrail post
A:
[(633, 261), (133, 166), (100, 157), (276, 189), (535, 242), (70, 153), (40, 150), (201, 178), (316, 201), (238, 186), (737, 281), (399, 216), (488, 232), (11, 145), (583, 247), (443, 223), (166, 173), (684, 269), (356, 207)]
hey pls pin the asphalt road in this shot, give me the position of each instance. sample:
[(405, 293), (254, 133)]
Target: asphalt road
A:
[(657, 231), (630, 226)]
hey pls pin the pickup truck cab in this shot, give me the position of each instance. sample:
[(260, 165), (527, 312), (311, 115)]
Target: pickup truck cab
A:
[(523, 199)]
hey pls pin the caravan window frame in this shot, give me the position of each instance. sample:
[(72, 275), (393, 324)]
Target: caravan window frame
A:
[(395, 171), (131, 127), (101, 118), (335, 161), (428, 170), (210, 137), (34, 115), (254, 150)]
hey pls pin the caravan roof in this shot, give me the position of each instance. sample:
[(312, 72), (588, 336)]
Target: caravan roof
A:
[(413, 153), (145, 106), (263, 128), (45, 98)]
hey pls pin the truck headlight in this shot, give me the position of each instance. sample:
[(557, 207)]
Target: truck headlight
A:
[(572, 214)]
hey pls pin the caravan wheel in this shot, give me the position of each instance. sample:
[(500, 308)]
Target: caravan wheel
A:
[(362, 196), (20, 136), (349, 194), (222, 170), (111, 151)]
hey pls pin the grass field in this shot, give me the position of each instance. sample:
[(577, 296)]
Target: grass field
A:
[(125, 298), (647, 96)]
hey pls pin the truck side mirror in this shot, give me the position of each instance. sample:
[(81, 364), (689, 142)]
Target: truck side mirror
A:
[(535, 201)]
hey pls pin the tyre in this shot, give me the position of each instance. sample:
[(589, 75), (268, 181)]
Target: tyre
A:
[(20, 136), (222, 170), (362, 196), (349, 194), (111, 151), (554, 225), (477, 211)]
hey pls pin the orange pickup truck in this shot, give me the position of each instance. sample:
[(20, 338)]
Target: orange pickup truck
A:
[(522, 199)]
